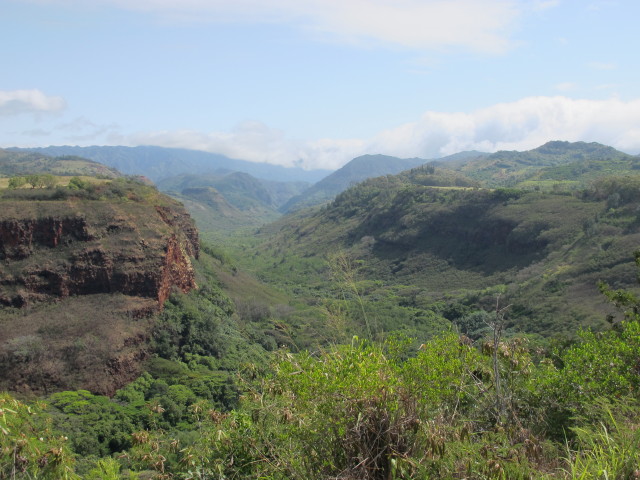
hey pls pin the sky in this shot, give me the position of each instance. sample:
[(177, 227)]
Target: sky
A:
[(315, 83)]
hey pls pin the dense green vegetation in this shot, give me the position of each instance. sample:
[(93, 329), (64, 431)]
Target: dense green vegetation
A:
[(51, 187), (450, 409), (554, 164), (421, 254)]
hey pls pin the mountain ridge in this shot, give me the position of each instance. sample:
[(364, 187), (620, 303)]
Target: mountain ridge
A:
[(356, 170), (161, 162), (16, 163), (559, 160)]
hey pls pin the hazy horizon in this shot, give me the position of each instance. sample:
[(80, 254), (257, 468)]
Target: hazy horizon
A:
[(316, 83)]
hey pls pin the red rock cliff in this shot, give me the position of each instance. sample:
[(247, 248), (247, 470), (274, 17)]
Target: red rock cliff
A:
[(87, 276), (59, 249)]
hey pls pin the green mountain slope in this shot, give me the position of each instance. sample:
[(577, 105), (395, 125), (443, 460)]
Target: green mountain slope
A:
[(364, 167), (226, 202), (215, 217), (418, 246), (576, 163), (240, 189), (355, 171)]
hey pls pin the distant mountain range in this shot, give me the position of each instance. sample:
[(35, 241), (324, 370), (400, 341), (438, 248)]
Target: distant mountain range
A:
[(359, 169), (226, 202), (226, 193), (13, 163), (258, 189), (242, 190), (355, 171), (158, 163)]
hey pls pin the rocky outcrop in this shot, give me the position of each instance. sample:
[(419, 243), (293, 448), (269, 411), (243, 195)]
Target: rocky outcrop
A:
[(181, 220), (95, 247), (18, 237)]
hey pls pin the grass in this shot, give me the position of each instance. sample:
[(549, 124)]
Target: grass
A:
[(610, 450)]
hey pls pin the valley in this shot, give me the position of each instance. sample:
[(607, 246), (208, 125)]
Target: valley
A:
[(473, 316)]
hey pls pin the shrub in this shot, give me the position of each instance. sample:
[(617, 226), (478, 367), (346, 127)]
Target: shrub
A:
[(28, 446)]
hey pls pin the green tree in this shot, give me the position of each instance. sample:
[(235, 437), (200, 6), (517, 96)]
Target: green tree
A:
[(35, 180), (76, 183), (17, 182), (48, 181)]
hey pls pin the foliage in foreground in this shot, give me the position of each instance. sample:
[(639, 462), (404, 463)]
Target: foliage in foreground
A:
[(362, 412), (375, 411), (28, 446)]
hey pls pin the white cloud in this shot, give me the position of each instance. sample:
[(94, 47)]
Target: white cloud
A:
[(480, 25), (255, 142), (16, 102), (521, 125), (545, 4), (565, 86), (602, 66), (82, 129)]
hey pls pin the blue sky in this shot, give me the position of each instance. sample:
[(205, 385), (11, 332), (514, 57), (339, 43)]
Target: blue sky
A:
[(318, 82)]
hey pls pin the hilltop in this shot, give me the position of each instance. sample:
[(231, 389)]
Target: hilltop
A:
[(360, 169), (571, 164)]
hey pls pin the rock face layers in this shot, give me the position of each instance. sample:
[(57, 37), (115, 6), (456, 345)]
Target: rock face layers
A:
[(80, 282), (60, 249)]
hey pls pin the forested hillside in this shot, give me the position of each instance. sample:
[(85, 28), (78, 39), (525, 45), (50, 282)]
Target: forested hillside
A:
[(420, 252), (559, 164)]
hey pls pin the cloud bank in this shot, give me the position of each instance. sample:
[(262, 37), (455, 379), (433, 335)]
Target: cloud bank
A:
[(479, 25), (16, 102), (521, 125)]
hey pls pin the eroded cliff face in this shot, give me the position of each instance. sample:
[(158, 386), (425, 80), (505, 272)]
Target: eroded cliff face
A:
[(18, 236), (85, 279), (95, 247)]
